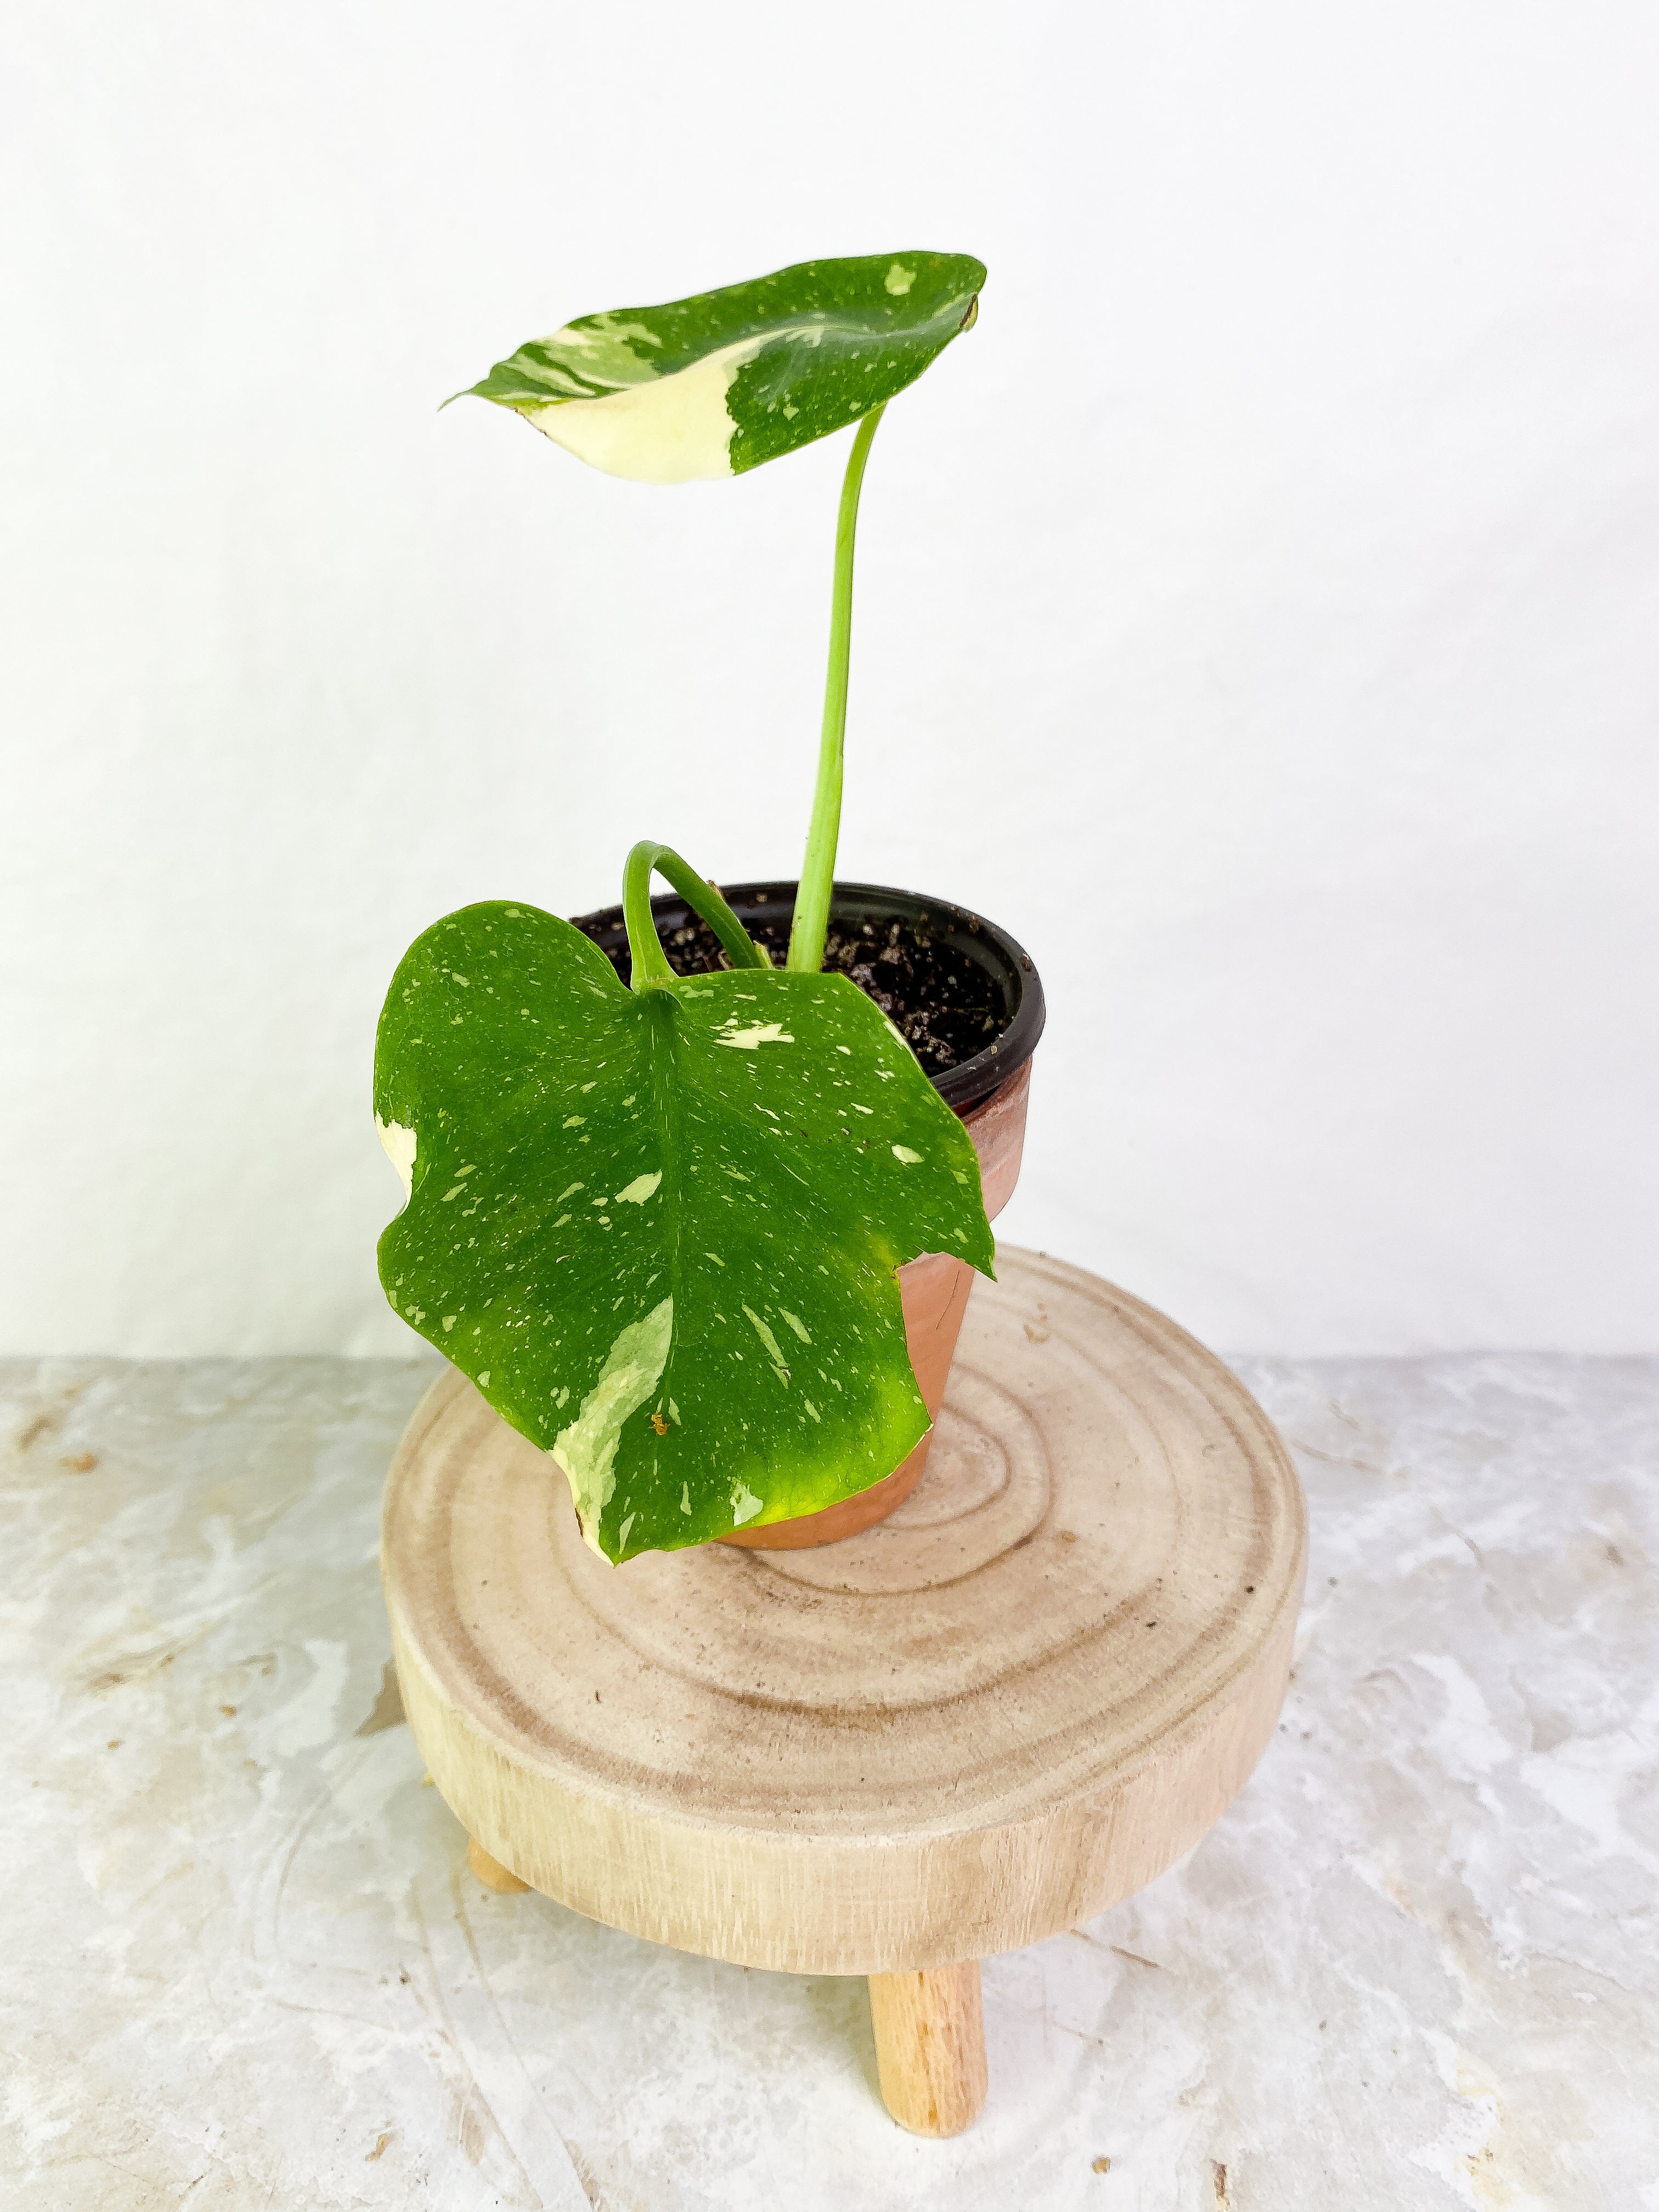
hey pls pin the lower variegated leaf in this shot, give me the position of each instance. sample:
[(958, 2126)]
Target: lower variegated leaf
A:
[(659, 1229)]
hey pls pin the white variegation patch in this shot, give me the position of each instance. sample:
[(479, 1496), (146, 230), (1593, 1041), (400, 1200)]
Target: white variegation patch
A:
[(668, 429), (399, 1144), (638, 1190), (586, 1450), (756, 1034)]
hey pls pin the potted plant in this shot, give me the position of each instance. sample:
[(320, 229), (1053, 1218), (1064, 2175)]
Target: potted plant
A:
[(681, 1200)]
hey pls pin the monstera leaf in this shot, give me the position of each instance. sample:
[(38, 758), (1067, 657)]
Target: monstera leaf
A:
[(659, 1227), (711, 385)]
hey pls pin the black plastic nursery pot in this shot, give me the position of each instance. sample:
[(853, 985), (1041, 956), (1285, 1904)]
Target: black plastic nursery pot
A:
[(968, 999), (990, 975)]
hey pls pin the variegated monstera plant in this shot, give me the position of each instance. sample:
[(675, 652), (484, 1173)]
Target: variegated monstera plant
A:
[(658, 1226)]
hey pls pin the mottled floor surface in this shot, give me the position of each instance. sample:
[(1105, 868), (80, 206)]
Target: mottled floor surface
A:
[(242, 1963)]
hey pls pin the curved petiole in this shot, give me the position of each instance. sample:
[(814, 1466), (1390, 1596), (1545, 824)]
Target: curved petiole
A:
[(651, 968)]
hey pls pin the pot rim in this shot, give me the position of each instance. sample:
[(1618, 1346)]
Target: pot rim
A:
[(989, 946)]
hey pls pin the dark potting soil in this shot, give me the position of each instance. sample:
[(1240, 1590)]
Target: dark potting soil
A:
[(944, 1005)]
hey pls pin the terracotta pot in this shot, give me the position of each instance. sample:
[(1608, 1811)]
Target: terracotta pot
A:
[(988, 1092), (935, 1290)]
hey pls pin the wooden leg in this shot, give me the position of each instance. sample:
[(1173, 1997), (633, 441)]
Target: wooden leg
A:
[(930, 2047), (490, 1872)]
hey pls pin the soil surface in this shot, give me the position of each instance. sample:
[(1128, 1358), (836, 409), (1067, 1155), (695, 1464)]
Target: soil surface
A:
[(944, 1005)]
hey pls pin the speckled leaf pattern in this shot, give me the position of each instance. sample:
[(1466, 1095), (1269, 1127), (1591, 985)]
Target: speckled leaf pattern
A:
[(711, 385), (658, 1228)]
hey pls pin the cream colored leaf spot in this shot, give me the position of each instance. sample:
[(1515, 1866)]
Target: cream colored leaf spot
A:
[(759, 1033), (904, 1153), (899, 279), (666, 429), (770, 1341), (399, 1144), (586, 1450), (638, 1190), (744, 1504)]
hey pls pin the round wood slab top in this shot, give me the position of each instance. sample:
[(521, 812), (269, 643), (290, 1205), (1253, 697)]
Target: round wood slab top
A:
[(979, 1723)]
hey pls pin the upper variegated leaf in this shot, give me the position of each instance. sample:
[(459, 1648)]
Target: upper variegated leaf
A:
[(659, 1229), (717, 384)]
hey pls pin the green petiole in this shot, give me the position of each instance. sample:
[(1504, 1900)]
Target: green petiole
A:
[(818, 872), (651, 968)]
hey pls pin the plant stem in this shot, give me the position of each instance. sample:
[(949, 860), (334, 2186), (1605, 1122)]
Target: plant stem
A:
[(651, 968), (817, 872)]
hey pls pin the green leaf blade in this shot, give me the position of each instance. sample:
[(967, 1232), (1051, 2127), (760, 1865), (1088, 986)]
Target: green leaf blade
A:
[(660, 1229), (718, 384)]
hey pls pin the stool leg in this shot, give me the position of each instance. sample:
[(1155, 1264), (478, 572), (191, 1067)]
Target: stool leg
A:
[(490, 1872), (930, 2047)]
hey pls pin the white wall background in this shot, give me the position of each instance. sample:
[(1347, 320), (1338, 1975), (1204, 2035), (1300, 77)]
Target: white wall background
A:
[(1257, 613)]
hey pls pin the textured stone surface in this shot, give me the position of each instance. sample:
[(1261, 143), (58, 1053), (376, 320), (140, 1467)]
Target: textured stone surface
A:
[(242, 1962)]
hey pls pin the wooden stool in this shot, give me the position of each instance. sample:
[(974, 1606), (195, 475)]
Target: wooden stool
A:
[(968, 1728)]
